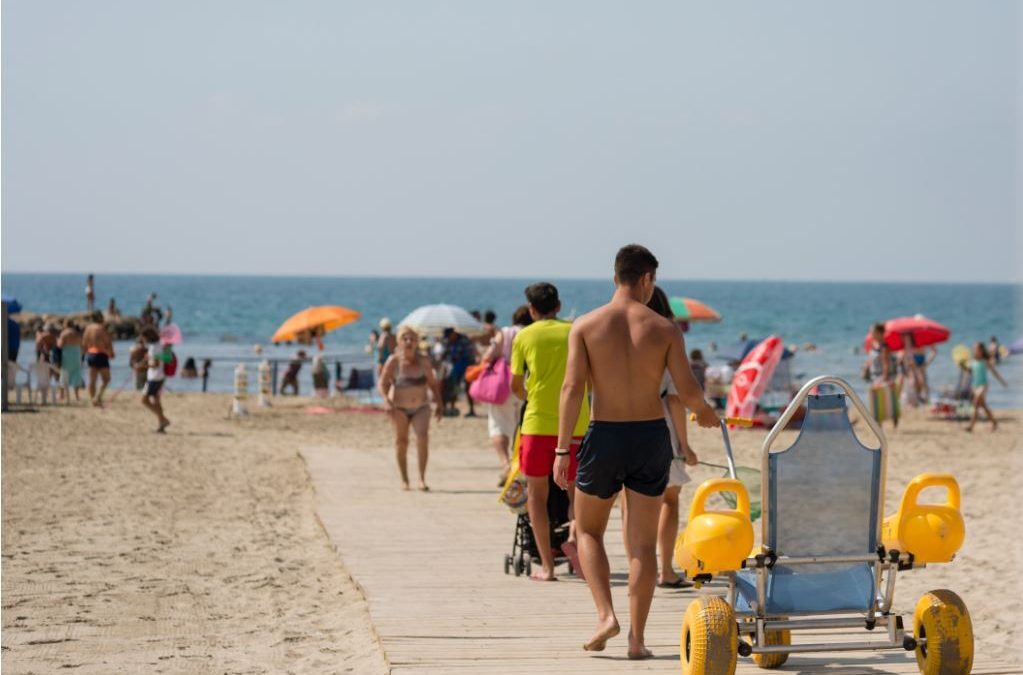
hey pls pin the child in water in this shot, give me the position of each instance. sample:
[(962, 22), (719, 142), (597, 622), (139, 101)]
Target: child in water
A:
[(978, 368)]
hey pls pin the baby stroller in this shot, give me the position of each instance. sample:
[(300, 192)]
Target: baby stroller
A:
[(524, 552), (829, 558)]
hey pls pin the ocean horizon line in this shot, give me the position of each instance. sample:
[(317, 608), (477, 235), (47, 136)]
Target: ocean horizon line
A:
[(527, 279)]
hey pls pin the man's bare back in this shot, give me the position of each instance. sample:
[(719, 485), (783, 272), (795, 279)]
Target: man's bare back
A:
[(96, 339), (627, 347)]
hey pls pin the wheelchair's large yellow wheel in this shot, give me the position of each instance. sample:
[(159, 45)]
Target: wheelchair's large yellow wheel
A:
[(772, 638), (710, 638), (943, 621)]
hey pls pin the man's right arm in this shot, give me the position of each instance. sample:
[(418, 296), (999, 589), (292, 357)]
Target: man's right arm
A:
[(689, 389), (573, 389)]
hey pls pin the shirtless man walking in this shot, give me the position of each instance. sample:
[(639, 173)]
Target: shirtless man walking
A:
[(99, 349), (622, 349)]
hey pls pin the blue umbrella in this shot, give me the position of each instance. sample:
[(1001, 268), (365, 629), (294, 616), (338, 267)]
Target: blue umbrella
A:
[(13, 306)]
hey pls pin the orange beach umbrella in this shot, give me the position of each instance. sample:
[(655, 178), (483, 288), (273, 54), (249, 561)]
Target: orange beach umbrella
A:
[(327, 317), (688, 309)]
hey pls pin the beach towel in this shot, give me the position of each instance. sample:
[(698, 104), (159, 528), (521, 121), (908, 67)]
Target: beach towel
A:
[(883, 401)]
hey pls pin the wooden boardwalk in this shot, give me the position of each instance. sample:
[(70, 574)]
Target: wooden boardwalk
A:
[(431, 566)]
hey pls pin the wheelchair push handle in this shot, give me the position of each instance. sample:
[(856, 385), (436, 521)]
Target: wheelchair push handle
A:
[(725, 421), (731, 421)]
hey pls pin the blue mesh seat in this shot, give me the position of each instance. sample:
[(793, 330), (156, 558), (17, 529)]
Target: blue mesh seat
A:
[(822, 501)]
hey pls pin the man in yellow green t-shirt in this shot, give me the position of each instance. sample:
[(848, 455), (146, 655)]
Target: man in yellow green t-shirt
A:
[(539, 356)]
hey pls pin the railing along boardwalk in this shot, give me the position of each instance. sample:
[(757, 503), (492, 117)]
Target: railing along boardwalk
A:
[(431, 566)]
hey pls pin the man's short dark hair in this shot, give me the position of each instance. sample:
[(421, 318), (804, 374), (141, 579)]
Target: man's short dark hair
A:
[(543, 297), (489, 316), (632, 262)]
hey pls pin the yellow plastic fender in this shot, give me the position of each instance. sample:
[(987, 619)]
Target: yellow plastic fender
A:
[(931, 532), (715, 541)]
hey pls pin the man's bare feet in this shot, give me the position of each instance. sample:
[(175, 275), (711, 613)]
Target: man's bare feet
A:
[(423, 487), (643, 653), (605, 631), (543, 575), (637, 650), (405, 485)]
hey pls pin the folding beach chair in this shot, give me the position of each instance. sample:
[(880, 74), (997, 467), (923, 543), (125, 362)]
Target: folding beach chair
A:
[(361, 382), (829, 559)]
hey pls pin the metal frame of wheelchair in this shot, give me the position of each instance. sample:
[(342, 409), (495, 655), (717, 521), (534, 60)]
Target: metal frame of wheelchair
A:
[(767, 637)]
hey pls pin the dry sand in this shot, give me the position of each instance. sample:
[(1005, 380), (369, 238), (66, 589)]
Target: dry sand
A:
[(194, 551), (126, 551)]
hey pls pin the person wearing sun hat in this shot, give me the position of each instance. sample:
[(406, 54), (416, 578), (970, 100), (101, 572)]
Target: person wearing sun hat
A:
[(386, 344)]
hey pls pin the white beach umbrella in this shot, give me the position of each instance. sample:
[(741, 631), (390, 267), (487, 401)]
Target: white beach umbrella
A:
[(431, 320)]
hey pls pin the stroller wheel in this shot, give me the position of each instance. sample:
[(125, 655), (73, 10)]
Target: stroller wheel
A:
[(519, 567), (529, 566), (942, 618), (507, 564)]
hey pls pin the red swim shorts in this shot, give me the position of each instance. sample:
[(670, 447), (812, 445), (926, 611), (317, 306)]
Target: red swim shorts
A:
[(536, 455)]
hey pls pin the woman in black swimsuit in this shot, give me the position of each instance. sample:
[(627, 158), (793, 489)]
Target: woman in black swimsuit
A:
[(406, 381)]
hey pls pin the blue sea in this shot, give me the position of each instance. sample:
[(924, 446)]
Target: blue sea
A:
[(222, 317)]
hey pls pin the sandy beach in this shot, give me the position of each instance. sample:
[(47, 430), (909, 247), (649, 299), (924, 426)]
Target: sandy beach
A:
[(202, 550), (197, 551)]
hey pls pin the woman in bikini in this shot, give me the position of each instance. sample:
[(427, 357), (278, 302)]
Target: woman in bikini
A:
[(406, 381)]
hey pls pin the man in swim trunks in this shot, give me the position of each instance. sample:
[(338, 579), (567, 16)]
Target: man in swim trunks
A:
[(541, 349), (622, 350), (99, 349)]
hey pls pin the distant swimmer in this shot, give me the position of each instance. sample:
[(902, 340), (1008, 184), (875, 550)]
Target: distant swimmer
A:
[(622, 349)]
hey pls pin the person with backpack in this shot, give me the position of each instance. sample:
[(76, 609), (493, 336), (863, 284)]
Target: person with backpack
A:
[(155, 376)]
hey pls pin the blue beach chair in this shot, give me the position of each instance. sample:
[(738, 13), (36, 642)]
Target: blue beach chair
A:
[(829, 559)]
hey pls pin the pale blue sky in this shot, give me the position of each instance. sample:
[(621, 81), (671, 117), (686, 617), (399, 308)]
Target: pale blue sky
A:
[(776, 140)]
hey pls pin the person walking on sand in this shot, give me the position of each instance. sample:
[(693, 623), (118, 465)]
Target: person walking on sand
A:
[(155, 377), (504, 417), (460, 352), (406, 382), (881, 370), (70, 344), (99, 350), (541, 349), (683, 455), (978, 368), (137, 362), (622, 350), (386, 344)]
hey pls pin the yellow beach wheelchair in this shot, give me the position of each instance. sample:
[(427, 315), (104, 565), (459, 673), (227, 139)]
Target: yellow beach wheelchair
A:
[(828, 560)]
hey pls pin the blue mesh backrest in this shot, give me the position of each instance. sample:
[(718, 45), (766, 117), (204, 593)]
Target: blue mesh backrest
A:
[(824, 487)]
